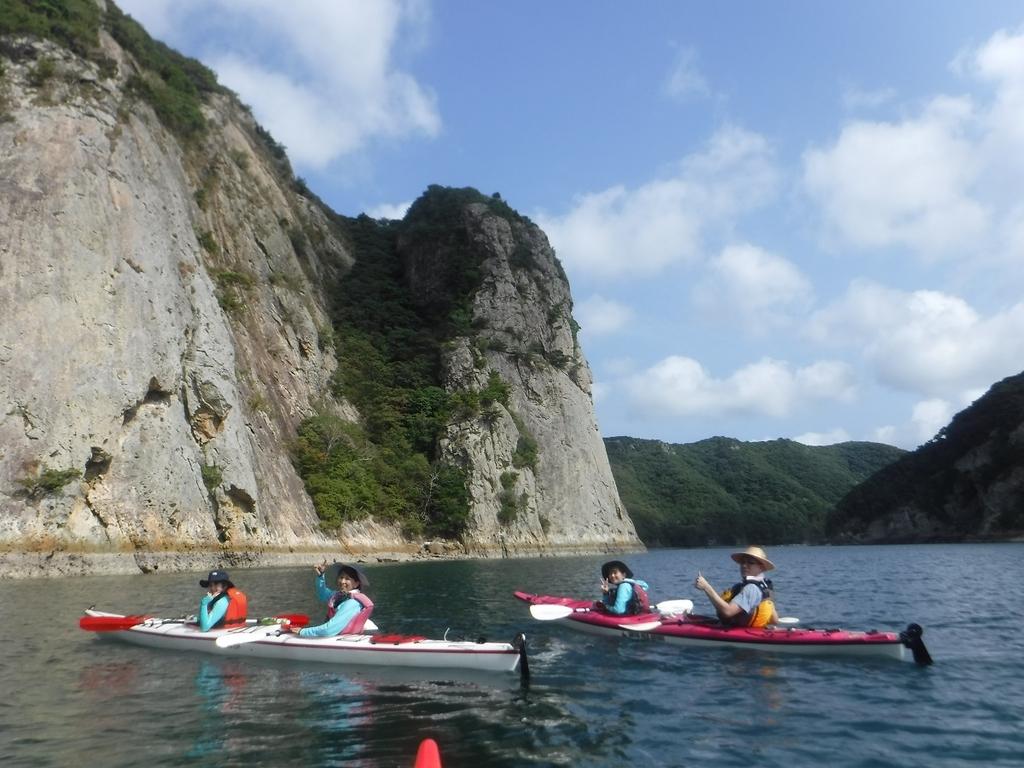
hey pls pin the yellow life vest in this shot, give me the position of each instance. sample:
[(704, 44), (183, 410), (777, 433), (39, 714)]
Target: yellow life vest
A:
[(763, 611)]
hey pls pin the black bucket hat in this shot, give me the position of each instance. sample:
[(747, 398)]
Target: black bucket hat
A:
[(336, 569), (615, 565), (216, 576)]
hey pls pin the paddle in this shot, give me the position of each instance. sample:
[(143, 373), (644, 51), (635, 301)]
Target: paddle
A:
[(247, 635), (645, 626), (109, 623), (674, 607), (553, 612), (121, 623)]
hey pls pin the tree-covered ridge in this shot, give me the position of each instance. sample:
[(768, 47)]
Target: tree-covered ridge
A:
[(389, 341), (173, 84), (963, 480), (724, 491)]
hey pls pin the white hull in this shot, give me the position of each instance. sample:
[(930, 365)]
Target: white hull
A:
[(342, 649)]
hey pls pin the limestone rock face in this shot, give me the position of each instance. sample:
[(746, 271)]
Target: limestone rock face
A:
[(163, 331), (539, 474), (161, 349)]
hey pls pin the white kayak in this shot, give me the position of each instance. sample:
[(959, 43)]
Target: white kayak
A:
[(269, 642)]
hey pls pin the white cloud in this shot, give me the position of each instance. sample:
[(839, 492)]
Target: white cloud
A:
[(685, 79), (598, 315), (884, 184), (837, 435), (389, 210), (1001, 61), (680, 386), (620, 231), (599, 391), (926, 342), (887, 434), (758, 288), (320, 76), (943, 182), (929, 417)]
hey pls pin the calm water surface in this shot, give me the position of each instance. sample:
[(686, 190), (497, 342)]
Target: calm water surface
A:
[(70, 699)]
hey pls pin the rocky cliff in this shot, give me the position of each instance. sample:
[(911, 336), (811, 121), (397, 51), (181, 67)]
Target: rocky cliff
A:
[(165, 328), (965, 484), (539, 477)]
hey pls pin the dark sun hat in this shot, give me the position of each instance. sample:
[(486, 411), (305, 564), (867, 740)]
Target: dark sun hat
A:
[(335, 570), (615, 565), (214, 577)]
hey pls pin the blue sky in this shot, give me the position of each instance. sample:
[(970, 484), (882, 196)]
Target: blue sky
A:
[(796, 219)]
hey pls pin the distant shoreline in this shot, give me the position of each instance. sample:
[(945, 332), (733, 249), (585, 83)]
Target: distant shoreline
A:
[(58, 563)]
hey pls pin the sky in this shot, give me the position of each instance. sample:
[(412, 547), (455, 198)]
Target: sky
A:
[(795, 219)]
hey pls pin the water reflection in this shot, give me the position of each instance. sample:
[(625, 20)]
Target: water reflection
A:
[(220, 688)]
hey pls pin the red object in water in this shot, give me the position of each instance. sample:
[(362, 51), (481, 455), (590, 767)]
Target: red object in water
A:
[(428, 755)]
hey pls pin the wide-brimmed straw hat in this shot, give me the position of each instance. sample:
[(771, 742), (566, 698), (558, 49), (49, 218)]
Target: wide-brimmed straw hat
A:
[(215, 576), (615, 565), (758, 554), (332, 573)]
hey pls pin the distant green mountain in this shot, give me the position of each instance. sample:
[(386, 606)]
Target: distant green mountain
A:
[(724, 491), (965, 484)]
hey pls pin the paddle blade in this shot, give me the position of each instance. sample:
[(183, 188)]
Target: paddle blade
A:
[(109, 623), (241, 637), (645, 626), (550, 612), (428, 755), (787, 620), (675, 607)]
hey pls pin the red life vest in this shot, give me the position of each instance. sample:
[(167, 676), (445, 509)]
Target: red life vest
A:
[(639, 603), (238, 607), (355, 626)]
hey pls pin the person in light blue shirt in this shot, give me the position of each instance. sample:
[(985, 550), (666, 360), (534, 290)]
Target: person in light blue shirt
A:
[(622, 594), (347, 607), (223, 605)]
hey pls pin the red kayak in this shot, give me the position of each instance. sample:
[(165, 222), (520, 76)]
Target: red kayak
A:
[(428, 755), (708, 632)]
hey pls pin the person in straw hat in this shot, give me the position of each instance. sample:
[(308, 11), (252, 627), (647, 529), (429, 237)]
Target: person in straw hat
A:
[(748, 603)]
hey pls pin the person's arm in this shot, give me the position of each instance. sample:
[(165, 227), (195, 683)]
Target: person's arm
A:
[(727, 612), (207, 618), (323, 593), (345, 613)]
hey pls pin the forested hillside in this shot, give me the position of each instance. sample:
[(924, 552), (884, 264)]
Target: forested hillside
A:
[(966, 483), (724, 491)]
